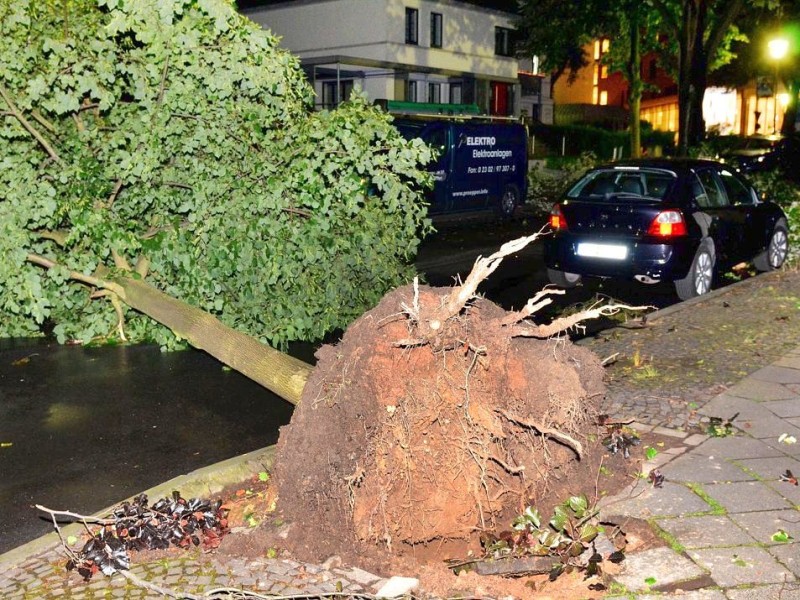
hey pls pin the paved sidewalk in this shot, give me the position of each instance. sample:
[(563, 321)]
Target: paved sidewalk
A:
[(732, 524)]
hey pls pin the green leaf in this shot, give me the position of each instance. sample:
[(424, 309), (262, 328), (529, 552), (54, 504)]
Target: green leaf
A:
[(650, 581), (263, 476), (650, 453), (781, 536)]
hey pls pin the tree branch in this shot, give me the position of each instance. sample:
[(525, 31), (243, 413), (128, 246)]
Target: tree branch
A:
[(59, 237), (721, 27), (77, 275), (27, 125)]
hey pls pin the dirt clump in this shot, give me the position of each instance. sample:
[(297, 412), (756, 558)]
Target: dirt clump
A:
[(438, 416)]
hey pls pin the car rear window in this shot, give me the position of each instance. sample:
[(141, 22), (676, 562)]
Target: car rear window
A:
[(615, 182)]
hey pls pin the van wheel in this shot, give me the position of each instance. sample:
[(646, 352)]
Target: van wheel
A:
[(509, 201), (563, 279)]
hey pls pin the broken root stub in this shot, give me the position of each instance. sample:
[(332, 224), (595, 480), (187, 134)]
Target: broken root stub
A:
[(403, 444)]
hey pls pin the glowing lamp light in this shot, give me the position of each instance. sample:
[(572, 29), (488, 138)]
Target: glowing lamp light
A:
[(778, 48), (783, 99)]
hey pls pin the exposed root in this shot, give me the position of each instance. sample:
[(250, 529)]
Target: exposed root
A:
[(569, 440), (526, 329)]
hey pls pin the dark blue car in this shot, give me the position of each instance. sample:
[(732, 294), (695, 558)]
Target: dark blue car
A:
[(663, 220)]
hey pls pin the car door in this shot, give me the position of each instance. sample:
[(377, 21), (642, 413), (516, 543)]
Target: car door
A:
[(745, 210), (723, 223)]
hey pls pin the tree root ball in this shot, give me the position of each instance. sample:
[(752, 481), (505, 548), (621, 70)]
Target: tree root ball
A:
[(402, 440)]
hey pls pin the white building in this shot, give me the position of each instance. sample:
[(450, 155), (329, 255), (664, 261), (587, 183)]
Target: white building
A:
[(421, 51)]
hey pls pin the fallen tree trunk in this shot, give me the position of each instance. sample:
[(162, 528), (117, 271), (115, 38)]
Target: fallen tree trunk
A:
[(280, 373)]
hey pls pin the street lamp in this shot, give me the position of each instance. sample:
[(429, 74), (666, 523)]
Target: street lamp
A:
[(778, 48)]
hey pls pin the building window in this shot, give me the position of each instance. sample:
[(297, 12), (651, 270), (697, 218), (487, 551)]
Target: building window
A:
[(435, 92), (503, 45), (412, 26), (329, 97), (604, 72), (436, 30), (413, 95), (456, 93), (652, 69), (603, 97)]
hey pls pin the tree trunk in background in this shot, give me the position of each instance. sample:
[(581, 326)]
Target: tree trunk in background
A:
[(790, 115), (635, 80), (278, 372)]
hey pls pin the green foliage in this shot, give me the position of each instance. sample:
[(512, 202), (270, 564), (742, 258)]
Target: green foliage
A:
[(178, 133), (578, 139), (776, 187), (567, 536), (545, 186)]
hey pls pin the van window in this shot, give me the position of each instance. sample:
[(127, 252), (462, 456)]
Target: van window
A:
[(436, 138)]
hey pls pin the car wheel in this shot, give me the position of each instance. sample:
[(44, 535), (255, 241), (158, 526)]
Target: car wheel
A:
[(509, 201), (563, 279), (700, 277), (776, 251)]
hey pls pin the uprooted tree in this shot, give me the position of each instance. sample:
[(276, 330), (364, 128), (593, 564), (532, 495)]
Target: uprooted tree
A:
[(163, 179), (165, 149)]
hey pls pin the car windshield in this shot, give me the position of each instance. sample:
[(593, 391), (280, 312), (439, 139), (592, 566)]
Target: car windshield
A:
[(604, 184)]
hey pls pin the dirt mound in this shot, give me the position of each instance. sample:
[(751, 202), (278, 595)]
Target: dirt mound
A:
[(432, 420)]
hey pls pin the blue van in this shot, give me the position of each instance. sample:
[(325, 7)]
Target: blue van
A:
[(480, 165)]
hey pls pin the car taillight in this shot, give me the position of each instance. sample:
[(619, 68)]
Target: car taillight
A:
[(668, 223), (557, 221)]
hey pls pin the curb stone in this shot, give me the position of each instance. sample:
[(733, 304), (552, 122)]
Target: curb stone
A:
[(201, 482)]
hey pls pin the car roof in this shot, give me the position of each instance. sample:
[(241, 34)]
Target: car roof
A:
[(678, 165)]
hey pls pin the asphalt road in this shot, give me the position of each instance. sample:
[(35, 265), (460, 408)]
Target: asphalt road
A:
[(83, 428)]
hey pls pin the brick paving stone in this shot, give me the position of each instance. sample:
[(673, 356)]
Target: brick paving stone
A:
[(737, 446), (767, 427), (684, 595), (777, 374), (699, 468), (770, 469), (761, 390), (745, 496), (788, 591), (763, 524), (784, 408), (695, 439), (782, 448), (662, 564), (671, 500), (741, 565), (706, 531), (726, 406), (788, 555)]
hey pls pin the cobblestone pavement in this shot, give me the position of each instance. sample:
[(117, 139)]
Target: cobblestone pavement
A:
[(44, 576), (667, 369)]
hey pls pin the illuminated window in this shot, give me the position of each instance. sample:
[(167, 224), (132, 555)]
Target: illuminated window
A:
[(605, 45), (604, 72), (604, 97), (596, 75), (595, 95), (597, 49)]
